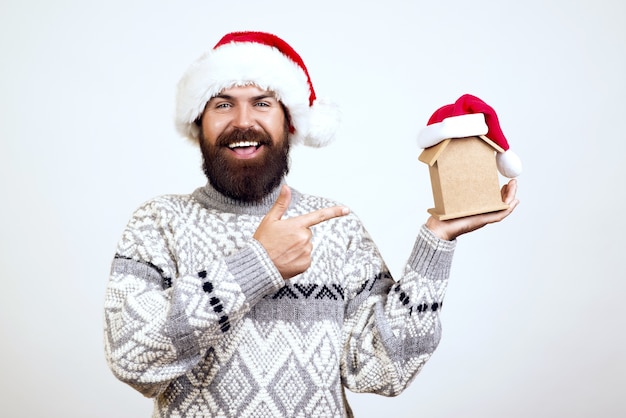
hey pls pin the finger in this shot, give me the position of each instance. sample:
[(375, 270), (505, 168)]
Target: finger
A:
[(321, 215), (494, 217), (281, 205), (508, 191)]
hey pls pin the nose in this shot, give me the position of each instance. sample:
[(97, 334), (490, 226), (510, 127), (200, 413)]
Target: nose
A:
[(243, 117)]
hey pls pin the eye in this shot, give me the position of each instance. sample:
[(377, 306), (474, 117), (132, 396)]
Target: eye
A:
[(262, 104), (222, 105)]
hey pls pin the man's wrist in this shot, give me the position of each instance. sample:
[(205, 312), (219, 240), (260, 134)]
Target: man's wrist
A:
[(438, 228)]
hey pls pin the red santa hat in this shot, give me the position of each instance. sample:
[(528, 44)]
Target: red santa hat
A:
[(470, 116), (268, 62)]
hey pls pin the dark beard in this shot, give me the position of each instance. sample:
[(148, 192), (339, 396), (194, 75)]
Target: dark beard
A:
[(244, 180)]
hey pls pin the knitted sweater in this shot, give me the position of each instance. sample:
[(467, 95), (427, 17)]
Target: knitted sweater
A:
[(198, 317)]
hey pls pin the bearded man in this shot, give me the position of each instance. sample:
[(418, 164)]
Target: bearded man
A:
[(247, 298), (240, 157)]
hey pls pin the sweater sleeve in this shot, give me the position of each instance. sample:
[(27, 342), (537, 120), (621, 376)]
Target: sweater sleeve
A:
[(392, 328), (161, 319)]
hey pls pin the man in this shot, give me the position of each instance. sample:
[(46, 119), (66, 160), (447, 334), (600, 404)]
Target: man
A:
[(249, 298)]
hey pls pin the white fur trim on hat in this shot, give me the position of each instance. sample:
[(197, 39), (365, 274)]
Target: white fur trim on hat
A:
[(471, 124)]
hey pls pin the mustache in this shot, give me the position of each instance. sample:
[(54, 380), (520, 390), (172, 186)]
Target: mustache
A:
[(239, 135)]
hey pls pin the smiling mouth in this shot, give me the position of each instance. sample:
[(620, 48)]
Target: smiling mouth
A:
[(244, 148)]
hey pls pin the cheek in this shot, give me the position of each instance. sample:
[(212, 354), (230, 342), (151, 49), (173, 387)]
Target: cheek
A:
[(275, 126), (212, 130)]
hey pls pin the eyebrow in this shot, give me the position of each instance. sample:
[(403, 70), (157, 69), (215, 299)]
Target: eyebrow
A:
[(255, 98)]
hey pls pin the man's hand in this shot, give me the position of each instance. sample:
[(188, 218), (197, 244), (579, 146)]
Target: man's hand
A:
[(451, 229), (288, 241)]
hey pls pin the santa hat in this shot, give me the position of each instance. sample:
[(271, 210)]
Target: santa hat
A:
[(268, 62), (470, 116)]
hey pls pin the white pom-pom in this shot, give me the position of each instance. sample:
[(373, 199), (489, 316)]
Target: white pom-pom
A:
[(323, 123), (509, 164)]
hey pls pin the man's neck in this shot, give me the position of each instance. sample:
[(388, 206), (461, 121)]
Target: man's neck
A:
[(210, 198)]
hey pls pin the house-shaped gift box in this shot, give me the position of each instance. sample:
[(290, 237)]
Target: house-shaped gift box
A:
[(463, 162)]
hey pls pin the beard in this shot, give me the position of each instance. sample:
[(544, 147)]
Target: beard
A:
[(245, 180)]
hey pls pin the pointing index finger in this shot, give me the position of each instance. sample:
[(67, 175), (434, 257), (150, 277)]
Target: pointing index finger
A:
[(322, 215)]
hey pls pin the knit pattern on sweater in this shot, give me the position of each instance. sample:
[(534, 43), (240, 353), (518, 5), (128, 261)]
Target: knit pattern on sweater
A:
[(198, 317)]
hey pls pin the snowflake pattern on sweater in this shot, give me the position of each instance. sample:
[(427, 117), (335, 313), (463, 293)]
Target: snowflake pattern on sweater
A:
[(198, 317)]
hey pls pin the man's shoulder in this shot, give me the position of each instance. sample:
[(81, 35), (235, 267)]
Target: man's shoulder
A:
[(167, 203)]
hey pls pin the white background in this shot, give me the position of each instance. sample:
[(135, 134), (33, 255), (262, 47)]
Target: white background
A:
[(534, 317)]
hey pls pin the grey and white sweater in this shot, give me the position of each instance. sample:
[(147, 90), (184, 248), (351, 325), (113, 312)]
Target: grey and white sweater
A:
[(198, 317)]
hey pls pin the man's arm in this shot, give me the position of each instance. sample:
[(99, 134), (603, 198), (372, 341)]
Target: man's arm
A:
[(392, 328), (167, 303)]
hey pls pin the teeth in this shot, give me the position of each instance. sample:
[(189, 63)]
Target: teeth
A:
[(243, 144)]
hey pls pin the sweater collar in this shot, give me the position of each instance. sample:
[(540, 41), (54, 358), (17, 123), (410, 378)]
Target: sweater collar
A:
[(210, 198)]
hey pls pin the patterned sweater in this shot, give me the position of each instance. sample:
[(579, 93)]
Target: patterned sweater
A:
[(198, 317)]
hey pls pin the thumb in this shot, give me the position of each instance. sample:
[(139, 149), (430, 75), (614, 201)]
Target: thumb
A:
[(281, 205)]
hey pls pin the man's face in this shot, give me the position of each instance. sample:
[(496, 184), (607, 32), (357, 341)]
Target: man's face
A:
[(244, 142)]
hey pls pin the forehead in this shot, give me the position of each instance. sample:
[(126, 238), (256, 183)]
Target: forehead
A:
[(248, 91)]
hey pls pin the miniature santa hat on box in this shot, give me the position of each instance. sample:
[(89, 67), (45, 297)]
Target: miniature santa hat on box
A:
[(470, 116), (268, 62)]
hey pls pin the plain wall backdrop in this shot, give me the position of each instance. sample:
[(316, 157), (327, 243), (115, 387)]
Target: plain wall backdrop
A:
[(534, 318)]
